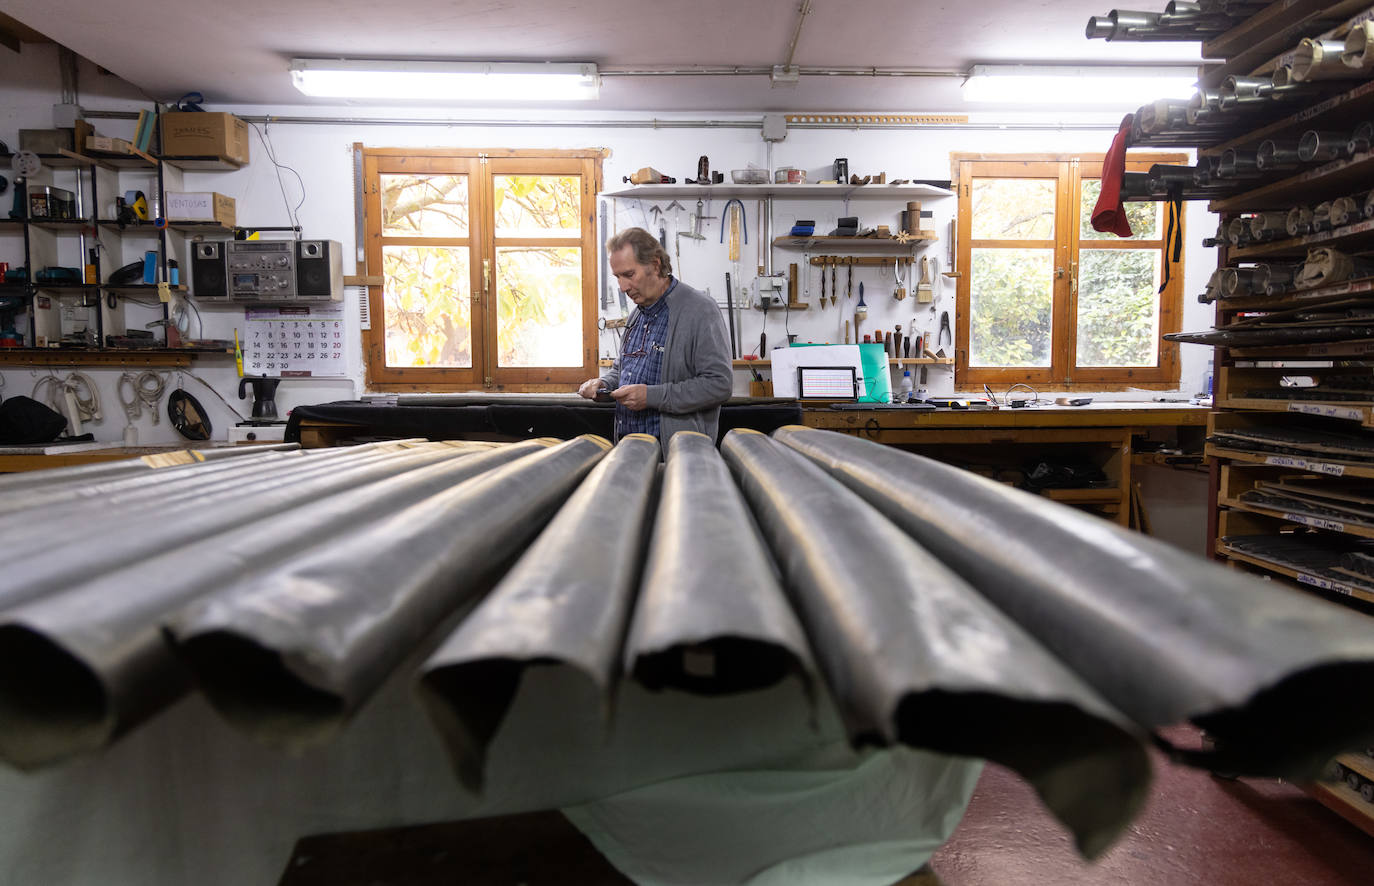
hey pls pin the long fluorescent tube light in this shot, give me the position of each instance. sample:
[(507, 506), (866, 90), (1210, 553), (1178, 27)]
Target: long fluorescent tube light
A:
[(1126, 87), (445, 81)]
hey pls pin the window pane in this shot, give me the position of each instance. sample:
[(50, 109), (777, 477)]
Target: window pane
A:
[(1010, 299), (1144, 217), (538, 205), (539, 306), (427, 303), (1118, 307), (1013, 208), (424, 205)]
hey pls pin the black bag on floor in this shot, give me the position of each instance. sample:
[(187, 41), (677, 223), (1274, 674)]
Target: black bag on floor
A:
[(25, 420)]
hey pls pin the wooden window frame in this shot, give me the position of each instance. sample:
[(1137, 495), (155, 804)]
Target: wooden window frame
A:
[(481, 166), (1061, 374)]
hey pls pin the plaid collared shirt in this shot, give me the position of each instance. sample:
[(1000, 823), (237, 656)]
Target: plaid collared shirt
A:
[(641, 363)]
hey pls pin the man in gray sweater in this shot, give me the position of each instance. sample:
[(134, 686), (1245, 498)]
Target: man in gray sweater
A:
[(673, 372)]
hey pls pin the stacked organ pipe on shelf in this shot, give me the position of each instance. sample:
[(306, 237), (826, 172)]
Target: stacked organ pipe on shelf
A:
[(1323, 266), (1246, 101), (1178, 22), (1222, 174)]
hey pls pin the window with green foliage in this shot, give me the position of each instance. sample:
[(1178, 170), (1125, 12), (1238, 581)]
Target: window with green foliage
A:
[(1046, 300), (487, 267)]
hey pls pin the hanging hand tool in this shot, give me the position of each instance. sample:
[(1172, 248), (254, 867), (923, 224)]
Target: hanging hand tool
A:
[(861, 309), (730, 310), (657, 215), (822, 283), (846, 332), (736, 224), (833, 291), (607, 282), (764, 301), (925, 292), (849, 285), (944, 331), (897, 340), (697, 218), (899, 291)]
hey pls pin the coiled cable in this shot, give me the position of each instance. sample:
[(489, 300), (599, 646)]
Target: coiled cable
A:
[(83, 390)]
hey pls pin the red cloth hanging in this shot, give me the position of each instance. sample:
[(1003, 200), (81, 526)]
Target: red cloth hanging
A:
[(1109, 215)]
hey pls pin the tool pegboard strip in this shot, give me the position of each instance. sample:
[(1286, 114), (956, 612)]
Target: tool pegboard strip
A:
[(877, 119)]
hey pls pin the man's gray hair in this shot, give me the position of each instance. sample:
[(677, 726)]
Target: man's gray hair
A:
[(646, 249)]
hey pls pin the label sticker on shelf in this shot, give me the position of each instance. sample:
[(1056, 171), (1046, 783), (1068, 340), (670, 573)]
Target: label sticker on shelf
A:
[(1318, 522), (1328, 411), (1293, 461), (1325, 584), (164, 292)]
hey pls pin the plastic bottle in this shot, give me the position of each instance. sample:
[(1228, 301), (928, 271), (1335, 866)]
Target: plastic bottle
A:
[(906, 387), (1207, 380)]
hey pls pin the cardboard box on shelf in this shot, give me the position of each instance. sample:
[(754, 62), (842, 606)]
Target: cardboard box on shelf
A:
[(200, 206), (107, 145), (205, 134), (45, 141)]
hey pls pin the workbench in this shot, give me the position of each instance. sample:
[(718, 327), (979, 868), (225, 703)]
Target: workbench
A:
[(981, 439), (989, 440), (499, 417)]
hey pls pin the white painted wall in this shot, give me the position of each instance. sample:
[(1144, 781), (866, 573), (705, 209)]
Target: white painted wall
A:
[(321, 153)]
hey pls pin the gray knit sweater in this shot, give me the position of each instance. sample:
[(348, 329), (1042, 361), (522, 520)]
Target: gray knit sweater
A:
[(696, 366)]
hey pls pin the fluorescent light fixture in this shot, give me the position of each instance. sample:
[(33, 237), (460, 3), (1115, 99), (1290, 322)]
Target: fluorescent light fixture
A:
[(445, 81), (1127, 87)]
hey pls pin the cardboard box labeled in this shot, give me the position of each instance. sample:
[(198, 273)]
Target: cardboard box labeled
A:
[(107, 145), (205, 134), (200, 206)]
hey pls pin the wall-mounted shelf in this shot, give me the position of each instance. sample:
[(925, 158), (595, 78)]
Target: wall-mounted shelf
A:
[(105, 357), (60, 224), (856, 244), (799, 191)]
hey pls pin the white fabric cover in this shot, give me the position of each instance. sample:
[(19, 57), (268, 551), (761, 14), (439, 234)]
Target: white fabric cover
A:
[(187, 800)]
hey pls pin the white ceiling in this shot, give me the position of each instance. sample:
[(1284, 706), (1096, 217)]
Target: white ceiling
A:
[(238, 52)]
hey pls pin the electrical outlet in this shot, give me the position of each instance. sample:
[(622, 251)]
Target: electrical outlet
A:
[(769, 299)]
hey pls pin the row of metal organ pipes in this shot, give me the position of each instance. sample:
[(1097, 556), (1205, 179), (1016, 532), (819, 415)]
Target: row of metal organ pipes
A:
[(931, 607)]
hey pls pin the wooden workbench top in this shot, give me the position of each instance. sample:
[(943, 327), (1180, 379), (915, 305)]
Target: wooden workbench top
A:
[(1114, 414)]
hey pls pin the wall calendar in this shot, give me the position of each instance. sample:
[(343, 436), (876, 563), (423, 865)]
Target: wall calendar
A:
[(295, 342)]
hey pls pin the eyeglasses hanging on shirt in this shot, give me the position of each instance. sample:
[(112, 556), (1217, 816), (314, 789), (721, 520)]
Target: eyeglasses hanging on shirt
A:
[(644, 344)]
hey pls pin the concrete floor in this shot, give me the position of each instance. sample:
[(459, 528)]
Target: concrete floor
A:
[(1196, 830)]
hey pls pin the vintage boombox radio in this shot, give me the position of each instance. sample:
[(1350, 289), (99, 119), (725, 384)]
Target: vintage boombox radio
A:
[(267, 272)]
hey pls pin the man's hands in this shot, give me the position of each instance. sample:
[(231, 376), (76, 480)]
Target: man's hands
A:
[(632, 397)]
